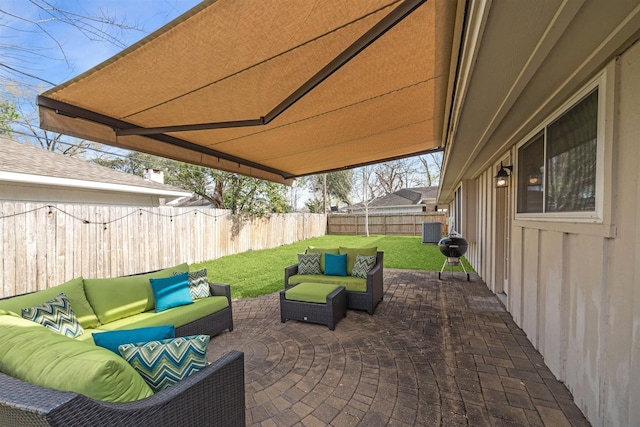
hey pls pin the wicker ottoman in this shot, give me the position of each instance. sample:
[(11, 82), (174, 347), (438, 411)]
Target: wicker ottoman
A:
[(314, 302)]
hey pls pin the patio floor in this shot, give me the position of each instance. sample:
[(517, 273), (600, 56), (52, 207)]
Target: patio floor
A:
[(435, 353)]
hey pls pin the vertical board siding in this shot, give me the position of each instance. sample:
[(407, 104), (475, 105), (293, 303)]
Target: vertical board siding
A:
[(41, 250)]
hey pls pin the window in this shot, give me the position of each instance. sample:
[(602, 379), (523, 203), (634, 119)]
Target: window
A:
[(557, 166)]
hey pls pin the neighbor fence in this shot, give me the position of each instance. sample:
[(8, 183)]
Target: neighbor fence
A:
[(395, 224), (44, 245)]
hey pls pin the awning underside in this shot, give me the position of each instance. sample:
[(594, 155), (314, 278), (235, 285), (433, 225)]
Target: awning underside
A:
[(273, 89)]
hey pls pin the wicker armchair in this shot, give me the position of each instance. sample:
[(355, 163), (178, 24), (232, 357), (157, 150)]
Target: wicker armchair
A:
[(214, 396), (356, 300)]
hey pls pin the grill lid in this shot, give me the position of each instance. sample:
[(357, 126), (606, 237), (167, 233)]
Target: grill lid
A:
[(453, 247)]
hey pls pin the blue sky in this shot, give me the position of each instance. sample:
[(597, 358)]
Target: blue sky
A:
[(39, 54)]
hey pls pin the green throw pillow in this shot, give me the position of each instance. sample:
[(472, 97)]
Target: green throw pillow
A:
[(309, 263), (165, 362), (56, 315), (363, 265), (34, 354)]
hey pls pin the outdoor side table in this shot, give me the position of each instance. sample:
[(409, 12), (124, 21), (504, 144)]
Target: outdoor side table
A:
[(314, 302)]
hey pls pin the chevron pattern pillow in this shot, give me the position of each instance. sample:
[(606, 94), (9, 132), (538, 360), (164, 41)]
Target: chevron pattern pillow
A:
[(198, 284), (363, 265), (57, 315), (165, 362), (309, 264)]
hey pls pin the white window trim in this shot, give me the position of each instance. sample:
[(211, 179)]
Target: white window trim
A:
[(600, 218)]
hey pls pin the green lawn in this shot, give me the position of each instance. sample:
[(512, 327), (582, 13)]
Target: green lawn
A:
[(256, 273)]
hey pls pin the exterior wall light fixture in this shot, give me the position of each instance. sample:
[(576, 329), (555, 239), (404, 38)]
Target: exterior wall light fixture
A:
[(502, 177)]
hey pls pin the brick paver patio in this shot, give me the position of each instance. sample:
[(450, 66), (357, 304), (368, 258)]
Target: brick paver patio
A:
[(435, 353)]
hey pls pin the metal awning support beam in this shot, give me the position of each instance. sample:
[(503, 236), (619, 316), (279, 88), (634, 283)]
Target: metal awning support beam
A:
[(378, 30), (74, 111)]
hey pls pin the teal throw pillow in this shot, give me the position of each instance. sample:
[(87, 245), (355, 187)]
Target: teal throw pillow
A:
[(363, 265), (309, 263), (165, 362), (198, 284), (335, 265), (57, 315), (171, 291), (111, 340)]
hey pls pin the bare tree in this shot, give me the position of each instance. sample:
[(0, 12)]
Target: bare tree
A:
[(24, 61), (395, 175), (37, 17), (431, 168), (366, 190)]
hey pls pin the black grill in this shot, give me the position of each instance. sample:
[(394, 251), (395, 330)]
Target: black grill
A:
[(453, 248)]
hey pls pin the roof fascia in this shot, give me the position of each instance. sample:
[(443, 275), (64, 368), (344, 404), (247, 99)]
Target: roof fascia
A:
[(20, 178)]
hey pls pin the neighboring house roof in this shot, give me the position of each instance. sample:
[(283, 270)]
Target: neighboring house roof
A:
[(26, 164), (403, 197)]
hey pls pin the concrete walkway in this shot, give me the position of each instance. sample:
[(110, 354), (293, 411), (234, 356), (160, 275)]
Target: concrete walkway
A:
[(435, 353)]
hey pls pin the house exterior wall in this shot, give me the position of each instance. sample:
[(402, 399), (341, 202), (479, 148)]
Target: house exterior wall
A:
[(574, 288), (35, 193)]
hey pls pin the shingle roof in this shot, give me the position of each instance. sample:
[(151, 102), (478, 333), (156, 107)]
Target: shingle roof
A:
[(29, 160), (406, 196)]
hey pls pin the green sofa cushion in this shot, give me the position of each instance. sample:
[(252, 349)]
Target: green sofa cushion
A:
[(350, 283), (310, 292), (177, 316), (353, 252), (314, 250), (73, 289), (36, 355), (120, 297)]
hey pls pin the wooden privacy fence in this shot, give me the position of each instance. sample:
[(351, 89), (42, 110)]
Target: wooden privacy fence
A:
[(395, 224), (45, 245)]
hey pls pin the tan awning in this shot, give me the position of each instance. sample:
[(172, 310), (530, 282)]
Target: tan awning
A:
[(272, 89)]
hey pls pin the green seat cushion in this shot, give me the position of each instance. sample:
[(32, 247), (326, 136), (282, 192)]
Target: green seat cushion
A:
[(34, 354), (177, 316), (120, 297), (73, 289), (322, 251), (310, 292), (353, 252), (350, 283)]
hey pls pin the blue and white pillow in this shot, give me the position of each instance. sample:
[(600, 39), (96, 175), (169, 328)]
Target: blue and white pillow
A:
[(165, 362), (363, 265), (309, 263), (198, 284), (57, 315)]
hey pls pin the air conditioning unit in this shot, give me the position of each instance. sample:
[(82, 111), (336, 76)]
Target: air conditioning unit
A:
[(431, 232)]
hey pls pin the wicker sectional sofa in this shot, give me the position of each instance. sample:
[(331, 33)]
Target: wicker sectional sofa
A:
[(362, 294), (212, 396)]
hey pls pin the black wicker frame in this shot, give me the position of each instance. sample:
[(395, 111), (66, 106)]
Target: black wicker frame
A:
[(326, 314), (214, 396), (368, 300)]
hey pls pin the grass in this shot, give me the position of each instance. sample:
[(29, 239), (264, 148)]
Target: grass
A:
[(261, 272)]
